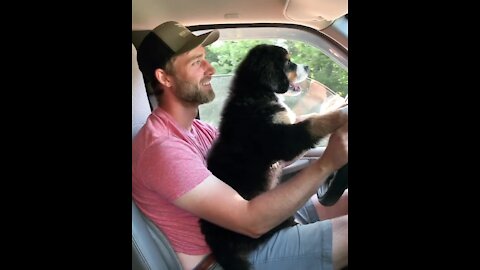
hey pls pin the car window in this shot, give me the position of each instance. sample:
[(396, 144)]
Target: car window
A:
[(324, 89)]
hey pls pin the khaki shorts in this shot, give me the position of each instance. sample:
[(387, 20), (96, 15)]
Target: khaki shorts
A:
[(304, 246)]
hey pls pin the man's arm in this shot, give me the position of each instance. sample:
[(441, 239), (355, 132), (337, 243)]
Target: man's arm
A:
[(217, 202)]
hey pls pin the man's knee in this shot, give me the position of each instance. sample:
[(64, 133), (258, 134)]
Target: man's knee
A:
[(340, 208), (340, 223), (340, 241)]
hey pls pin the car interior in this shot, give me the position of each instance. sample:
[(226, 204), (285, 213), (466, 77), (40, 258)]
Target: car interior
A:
[(150, 247)]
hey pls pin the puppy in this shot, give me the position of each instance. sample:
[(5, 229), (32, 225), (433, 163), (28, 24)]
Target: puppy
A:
[(256, 132)]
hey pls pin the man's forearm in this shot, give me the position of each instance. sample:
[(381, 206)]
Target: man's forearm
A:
[(271, 208)]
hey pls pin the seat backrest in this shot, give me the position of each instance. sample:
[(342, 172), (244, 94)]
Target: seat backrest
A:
[(150, 248), (140, 105)]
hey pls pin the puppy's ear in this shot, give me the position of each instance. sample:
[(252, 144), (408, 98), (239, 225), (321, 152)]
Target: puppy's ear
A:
[(271, 68), (281, 80)]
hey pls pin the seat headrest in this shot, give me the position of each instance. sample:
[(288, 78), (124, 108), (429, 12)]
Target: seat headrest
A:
[(140, 105)]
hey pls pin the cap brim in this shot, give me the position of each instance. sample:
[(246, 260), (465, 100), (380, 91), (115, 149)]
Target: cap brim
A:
[(204, 39)]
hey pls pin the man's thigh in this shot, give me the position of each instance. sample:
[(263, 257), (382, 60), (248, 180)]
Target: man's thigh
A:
[(306, 246)]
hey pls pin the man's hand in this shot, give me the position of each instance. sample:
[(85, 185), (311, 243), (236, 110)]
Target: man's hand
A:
[(336, 153)]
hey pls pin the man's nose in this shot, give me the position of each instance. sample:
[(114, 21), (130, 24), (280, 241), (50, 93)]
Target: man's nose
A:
[(209, 68)]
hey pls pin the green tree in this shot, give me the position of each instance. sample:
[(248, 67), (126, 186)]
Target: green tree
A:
[(226, 55)]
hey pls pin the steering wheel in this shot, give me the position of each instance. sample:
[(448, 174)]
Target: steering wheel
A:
[(332, 189)]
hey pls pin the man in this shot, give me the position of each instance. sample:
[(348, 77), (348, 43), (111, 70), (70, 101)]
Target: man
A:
[(173, 187)]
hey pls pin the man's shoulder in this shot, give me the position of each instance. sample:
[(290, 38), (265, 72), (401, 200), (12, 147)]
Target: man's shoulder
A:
[(156, 133)]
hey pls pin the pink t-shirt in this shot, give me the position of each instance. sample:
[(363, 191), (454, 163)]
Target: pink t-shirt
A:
[(167, 162)]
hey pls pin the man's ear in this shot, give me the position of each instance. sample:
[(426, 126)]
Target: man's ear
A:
[(163, 77)]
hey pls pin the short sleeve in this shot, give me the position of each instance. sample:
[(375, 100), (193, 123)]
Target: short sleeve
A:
[(171, 168)]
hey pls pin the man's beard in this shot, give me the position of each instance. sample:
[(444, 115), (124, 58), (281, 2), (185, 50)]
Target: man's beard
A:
[(192, 93)]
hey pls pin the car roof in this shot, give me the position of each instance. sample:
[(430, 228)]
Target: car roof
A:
[(317, 14)]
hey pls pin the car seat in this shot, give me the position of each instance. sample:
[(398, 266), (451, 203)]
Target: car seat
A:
[(150, 248)]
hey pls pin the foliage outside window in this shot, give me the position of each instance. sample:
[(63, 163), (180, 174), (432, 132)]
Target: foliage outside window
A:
[(226, 55), (327, 83)]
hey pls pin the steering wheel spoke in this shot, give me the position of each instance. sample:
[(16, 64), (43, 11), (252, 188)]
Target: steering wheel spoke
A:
[(332, 189)]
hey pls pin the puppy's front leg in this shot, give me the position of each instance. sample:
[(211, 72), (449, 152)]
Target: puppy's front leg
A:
[(324, 124)]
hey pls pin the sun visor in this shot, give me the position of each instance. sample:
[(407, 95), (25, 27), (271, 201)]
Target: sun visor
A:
[(309, 11)]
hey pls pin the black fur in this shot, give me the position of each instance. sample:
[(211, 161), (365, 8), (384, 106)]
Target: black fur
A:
[(250, 142)]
